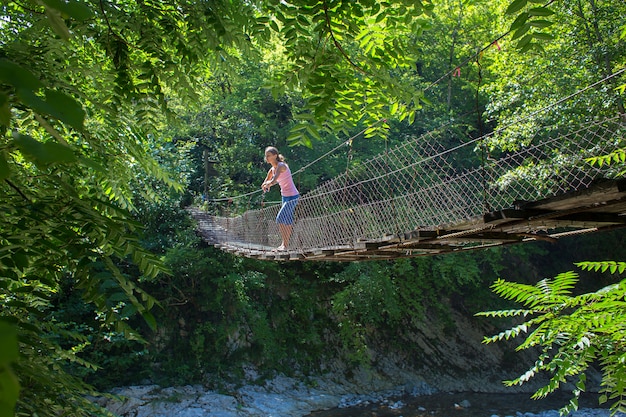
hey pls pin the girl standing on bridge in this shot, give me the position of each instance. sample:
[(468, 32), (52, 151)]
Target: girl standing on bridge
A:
[(280, 174)]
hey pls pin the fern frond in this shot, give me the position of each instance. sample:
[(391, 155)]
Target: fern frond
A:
[(505, 313), (525, 377), (507, 334), (514, 331), (538, 336), (593, 297), (529, 374), (521, 293), (563, 283), (612, 266)]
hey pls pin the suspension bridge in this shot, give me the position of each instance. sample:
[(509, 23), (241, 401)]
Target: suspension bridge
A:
[(420, 199)]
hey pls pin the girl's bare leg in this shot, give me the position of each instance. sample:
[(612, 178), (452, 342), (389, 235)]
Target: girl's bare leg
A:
[(285, 233)]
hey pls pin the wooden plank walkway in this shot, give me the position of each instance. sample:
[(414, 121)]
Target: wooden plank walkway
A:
[(599, 207)]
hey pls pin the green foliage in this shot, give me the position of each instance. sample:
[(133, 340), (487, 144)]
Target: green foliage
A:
[(571, 331), (232, 128), (338, 52), (111, 357), (616, 157), (528, 26), (71, 146), (585, 50), (87, 90), (9, 353), (41, 336), (611, 266), (29, 280), (221, 312), (393, 299), (370, 301)]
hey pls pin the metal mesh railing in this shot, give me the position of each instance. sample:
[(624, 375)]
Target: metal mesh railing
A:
[(417, 187)]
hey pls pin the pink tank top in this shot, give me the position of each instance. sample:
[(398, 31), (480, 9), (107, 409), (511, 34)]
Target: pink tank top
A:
[(285, 181)]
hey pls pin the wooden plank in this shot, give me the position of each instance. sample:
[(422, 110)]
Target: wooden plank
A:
[(615, 207), (420, 234), (366, 256), (505, 216), (294, 256), (282, 256), (573, 232), (384, 239), (366, 245), (319, 253), (462, 233), (269, 256), (425, 247), (600, 191)]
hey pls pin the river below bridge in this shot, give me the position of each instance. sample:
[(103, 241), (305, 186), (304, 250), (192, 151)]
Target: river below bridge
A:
[(470, 405)]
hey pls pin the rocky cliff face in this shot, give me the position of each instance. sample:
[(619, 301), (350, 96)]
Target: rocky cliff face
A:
[(445, 358)]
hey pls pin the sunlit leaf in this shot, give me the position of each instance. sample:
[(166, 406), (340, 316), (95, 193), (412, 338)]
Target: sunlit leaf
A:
[(150, 320), (543, 36), (540, 23), (524, 42), (516, 6), (540, 11), (56, 104), (521, 19)]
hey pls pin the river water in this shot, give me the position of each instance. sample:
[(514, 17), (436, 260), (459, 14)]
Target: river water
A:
[(447, 405)]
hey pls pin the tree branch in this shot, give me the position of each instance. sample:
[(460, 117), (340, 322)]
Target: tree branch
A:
[(337, 44), (17, 189), (106, 19)]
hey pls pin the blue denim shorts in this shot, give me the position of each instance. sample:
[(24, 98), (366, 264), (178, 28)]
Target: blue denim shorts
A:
[(285, 214)]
